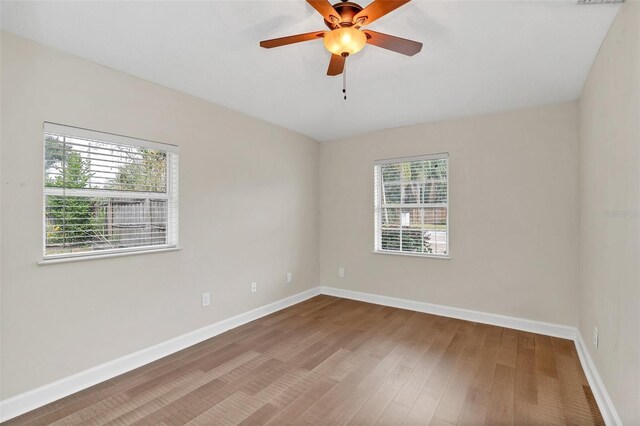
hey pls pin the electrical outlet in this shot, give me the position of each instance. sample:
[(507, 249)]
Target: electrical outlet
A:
[(289, 278), (206, 299), (254, 287), (595, 336), (341, 272)]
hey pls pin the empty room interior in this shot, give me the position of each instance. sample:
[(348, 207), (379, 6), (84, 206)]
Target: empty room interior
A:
[(313, 212)]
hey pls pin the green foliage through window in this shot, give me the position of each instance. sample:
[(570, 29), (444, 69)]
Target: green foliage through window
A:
[(79, 218)]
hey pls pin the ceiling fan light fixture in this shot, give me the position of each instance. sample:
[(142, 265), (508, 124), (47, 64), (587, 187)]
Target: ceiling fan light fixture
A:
[(346, 36), (344, 41)]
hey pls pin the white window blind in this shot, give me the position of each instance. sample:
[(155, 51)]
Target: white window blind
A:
[(106, 193), (412, 205)]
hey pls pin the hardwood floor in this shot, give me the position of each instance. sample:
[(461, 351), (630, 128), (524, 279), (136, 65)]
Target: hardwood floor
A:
[(336, 361)]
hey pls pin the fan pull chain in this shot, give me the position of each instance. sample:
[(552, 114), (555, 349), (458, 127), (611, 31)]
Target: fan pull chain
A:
[(344, 79)]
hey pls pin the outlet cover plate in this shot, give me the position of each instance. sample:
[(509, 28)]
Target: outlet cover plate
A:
[(206, 299)]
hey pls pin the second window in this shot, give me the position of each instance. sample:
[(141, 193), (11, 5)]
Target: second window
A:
[(412, 205)]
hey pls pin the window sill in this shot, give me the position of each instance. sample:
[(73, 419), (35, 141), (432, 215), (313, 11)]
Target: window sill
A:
[(83, 258), (396, 253)]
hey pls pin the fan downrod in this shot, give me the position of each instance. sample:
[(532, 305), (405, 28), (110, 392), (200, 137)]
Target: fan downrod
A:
[(347, 11)]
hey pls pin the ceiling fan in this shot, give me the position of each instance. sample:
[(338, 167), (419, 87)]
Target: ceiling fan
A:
[(345, 20)]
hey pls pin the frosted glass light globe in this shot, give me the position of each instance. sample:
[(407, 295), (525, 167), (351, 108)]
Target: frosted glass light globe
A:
[(344, 41)]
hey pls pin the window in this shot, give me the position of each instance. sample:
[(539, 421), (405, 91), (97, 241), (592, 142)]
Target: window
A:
[(107, 193), (411, 205)]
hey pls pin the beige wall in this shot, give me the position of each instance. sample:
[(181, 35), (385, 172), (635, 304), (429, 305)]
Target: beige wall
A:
[(249, 203), (513, 214), (610, 242)]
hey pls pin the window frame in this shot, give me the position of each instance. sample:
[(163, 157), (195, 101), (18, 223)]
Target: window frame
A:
[(378, 206), (172, 194)]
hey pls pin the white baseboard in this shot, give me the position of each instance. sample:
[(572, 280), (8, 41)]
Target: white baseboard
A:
[(30, 400), (608, 410), (38, 397), (548, 329)]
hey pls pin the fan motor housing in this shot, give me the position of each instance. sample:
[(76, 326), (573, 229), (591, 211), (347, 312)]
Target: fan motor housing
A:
[(347, 11)]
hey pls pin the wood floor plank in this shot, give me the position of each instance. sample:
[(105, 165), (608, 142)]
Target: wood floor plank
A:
[(382, 397), (437, 421), (475, 407), (344, 389), (260, 416), (526, 389), (337, 361), (487, 360), (120, 404), (56, 410), (500, 410), (421, 374), (342, 412), (575, 404), (450, 405), (545, 358), (549, 409), (394, 414), (447, 363), (293, 411), (424, 408)]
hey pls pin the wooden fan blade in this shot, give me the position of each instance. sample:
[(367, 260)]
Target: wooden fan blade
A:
[(376, 10), (326, 10), (283, 41), (336, 65), (389, 42)]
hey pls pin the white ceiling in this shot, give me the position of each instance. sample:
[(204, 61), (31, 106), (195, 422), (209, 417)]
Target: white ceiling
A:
[(478, 56)]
